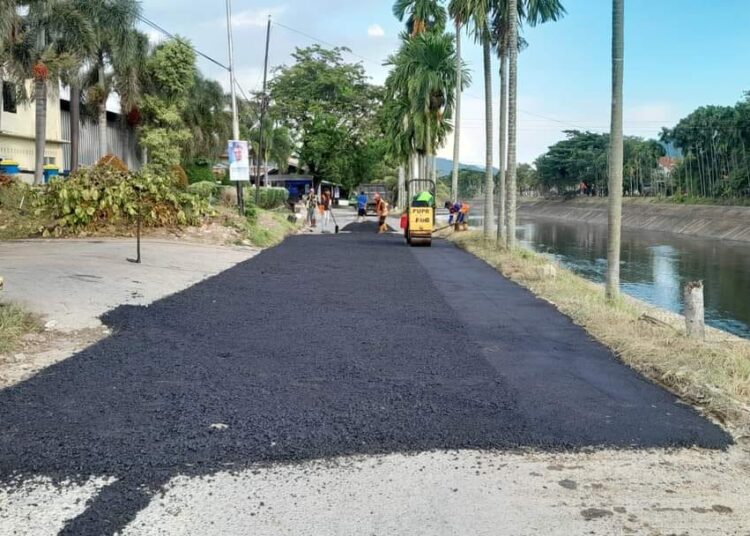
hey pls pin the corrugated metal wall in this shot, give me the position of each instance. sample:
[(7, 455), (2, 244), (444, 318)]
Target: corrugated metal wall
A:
[(120, 142)]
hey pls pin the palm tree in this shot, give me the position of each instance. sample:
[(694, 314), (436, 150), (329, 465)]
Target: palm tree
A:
[(117, 54), (46, 38), (457, 119), (478, 14), (533, 12), (616, 152), (423, 15), (421, 86)]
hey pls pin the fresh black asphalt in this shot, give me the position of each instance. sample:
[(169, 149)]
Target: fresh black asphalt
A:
[(325, 346)]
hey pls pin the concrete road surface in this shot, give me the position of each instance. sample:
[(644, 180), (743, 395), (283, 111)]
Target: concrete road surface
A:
[(73, 282), (347, 384)]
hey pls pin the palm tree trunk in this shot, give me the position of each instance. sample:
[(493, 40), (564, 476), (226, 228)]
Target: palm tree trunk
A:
[(102, 126), (616, 151), (400, 191), (488, 172), (40, 96), (75, 126), (457, 120), (502, 197), (512, 124)]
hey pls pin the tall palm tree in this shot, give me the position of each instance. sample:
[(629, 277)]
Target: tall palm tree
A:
[(116, 56), (457, 117), (532, 12), (616, 150), (478, 15), (43, 46), (420, 15), (424, 79)]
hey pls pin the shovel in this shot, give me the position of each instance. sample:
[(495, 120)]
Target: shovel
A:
[(336, 228)]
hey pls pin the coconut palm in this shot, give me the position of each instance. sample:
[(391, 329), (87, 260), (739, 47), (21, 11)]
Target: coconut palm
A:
[(43, 45), (116, 57), (478, 15), (420, 15), (615, 152)]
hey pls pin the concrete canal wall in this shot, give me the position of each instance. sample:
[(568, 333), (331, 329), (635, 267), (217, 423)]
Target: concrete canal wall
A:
[(706, 221)]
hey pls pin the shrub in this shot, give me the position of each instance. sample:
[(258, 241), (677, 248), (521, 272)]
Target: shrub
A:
[(112, 161), (203, 189), (5, 180), (270, 198), (200, 172), (95, 197), (180, 177)]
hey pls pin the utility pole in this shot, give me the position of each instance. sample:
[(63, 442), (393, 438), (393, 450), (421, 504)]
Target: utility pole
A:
[(263, 106), (233, 91)]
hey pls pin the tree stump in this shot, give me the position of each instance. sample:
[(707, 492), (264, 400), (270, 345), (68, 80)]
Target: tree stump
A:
[(694, 310)]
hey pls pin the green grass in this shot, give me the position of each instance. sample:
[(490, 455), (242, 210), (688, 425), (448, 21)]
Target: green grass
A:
[(15, 322)]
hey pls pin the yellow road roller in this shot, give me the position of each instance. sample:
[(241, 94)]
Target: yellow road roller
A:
[(420, 212)]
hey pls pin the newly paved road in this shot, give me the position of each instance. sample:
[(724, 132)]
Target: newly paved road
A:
[(325, 346)]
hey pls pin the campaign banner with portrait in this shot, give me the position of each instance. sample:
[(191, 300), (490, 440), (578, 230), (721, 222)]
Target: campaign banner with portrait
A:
[(239, 161)]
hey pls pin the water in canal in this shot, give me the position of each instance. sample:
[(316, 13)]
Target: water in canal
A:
[(654, 266)]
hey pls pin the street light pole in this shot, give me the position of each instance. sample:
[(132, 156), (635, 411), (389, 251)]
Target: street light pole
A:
[(233, 91)]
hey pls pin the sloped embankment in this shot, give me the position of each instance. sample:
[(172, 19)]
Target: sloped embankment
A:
[(706, 221)]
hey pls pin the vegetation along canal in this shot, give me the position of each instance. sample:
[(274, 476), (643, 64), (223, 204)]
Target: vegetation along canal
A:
[(655, 266)]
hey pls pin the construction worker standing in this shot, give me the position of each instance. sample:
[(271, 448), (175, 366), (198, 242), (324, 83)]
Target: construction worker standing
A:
[(381, 209)]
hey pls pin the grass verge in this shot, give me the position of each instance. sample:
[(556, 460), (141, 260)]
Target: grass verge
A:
[(15, 322), (713, 374)]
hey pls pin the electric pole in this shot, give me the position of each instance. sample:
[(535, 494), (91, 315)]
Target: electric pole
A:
[(233, 91), (263, 106)]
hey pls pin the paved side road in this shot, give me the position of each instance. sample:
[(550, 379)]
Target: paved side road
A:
[(326, 346), (73, 282)]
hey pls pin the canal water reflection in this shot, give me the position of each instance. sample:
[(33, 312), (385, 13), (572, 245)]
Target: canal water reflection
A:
[(655, 266)]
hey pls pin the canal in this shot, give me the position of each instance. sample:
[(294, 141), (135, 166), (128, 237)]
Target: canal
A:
[(654, 265)]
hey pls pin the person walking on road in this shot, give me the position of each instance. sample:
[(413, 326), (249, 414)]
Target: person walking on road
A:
[(325, 209), (361, 207), (381, 209), (311, 203)]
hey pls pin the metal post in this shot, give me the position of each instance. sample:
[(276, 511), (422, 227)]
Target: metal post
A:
[(233, 91), (263, 105)]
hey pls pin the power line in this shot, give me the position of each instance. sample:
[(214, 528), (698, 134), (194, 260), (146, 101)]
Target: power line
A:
[(158, 28), (322, 42)]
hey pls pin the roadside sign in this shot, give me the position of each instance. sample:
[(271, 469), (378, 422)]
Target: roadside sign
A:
[(239, 161)]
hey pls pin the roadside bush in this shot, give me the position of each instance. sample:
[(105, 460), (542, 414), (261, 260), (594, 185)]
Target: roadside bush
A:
[(5, 180), (180, 177), (101, 196), (200, 172), (270, 198), (112, 161), (204, 189)]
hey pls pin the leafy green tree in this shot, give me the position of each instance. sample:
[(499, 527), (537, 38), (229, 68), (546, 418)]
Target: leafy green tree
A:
[(170, 75), (206, 116), (330, 108)]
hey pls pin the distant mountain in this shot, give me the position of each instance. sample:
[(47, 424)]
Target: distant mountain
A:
[(445, 167)]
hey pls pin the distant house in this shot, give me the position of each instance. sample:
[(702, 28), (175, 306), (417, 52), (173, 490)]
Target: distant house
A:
[(17, 134), (667, 164)]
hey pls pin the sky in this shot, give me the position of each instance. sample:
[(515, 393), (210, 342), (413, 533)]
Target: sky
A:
[(679, 54)]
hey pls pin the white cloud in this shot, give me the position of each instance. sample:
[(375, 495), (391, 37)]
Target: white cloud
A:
[(375, 30), (256, 17)]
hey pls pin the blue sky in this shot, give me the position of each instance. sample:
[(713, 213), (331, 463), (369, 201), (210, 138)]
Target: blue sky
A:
[(680, 54)]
